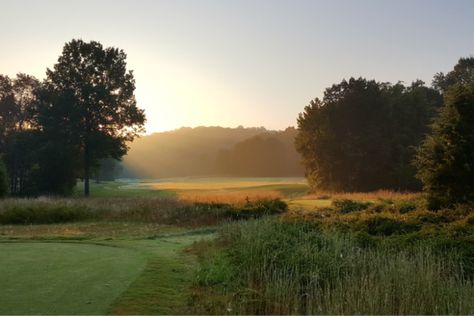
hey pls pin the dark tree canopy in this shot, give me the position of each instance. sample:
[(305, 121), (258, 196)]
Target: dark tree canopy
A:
[(269, 154), (18, 135), (445, 160), (361, 135), (462, 74), (100, 93)]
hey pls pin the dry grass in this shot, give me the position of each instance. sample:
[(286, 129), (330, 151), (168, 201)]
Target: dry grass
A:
[(363, 196), (211, 184), (86, 230), (232, 197)]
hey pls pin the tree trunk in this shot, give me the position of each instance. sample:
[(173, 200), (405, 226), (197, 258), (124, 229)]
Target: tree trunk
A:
[(86, 169)]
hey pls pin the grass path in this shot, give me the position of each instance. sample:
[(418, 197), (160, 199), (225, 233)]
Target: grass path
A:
[(163, 288), (118, 276)]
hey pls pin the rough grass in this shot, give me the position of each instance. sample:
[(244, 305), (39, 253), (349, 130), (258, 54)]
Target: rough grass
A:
[(363, 196), (150, 210), (235, 197), (279, 267)]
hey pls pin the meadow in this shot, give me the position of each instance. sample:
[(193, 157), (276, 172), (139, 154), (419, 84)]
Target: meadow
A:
[(234, 246)]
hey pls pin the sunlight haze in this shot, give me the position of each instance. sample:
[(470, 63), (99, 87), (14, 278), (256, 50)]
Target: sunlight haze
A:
[(251, 63)]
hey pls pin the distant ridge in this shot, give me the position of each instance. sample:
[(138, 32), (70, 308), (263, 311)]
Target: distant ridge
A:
[(214, 151)]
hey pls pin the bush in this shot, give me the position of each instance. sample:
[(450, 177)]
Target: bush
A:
[(44, 214), (258, 209), (385, 226), (348, 206), (277, 267), (406, 207)]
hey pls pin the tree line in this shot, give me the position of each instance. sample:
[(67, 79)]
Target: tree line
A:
[(365, 135), (362, 135), (54, 131), (269, 154), (214, 151)]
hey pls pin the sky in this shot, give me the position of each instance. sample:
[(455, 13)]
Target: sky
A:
[(251, 63)]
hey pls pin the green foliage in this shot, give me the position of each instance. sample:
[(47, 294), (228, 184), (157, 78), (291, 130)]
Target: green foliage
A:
[(278, 267), (361, 121), (104, 115), (445, 160), (348, 206), (216, 269), (151, 210), (44, 214), (406, 207), (197, 214), (386, 226)]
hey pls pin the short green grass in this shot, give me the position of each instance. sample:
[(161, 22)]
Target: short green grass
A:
[(96, 268), (120, 189), (164, 286), (64, 278)]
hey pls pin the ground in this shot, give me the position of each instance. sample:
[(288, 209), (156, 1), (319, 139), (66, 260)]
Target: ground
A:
[(143, 255), (116, 267)]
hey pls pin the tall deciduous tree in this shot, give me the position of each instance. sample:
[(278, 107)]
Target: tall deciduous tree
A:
[(105, 116), (361, 136), (18, 133)]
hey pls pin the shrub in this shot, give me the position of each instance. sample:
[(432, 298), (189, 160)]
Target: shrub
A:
[(406, 207), (257, 209), (278, 267), (44, 214), (348, 206), (385, 226)]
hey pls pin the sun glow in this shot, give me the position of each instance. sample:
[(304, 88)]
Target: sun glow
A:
[(176, 95)]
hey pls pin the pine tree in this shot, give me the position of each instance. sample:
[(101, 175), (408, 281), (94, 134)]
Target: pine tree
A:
[(445, 160)]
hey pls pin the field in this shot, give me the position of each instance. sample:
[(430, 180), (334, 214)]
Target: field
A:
[(228, 246)]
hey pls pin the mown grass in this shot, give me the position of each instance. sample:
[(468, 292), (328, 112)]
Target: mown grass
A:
[(164, 285), (64, 278), (121, 189), (96, 268), (280, 267)]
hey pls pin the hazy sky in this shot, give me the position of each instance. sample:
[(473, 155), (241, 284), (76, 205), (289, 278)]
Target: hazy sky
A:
[(251, 63)]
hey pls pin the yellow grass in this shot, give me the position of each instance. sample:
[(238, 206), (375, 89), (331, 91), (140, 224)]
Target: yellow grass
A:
[(214, 185), (363, 196)]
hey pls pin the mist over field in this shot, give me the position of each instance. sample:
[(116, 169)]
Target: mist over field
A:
[(214, 151)]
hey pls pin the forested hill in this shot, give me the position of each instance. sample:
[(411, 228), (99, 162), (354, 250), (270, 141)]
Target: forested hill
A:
[(214, 151)]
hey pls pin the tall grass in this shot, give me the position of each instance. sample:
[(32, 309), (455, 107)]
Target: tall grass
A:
[(229, 197), (151, 210), (364, 196), (275, 267)]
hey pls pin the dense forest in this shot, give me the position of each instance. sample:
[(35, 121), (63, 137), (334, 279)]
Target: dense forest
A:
[(362, 135), (214, 151), (55, 131)]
